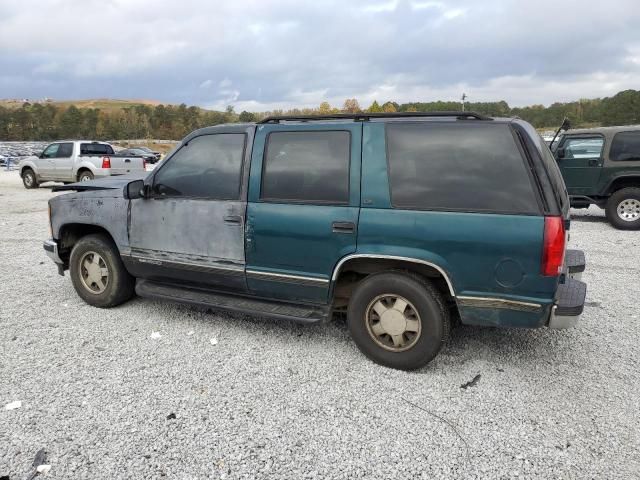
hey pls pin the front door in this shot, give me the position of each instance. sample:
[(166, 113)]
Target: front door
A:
[(304, 201), (64, 162), (580, 160), (191, 229), (46, 162)]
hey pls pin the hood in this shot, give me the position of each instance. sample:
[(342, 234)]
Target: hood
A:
[(106, 183)]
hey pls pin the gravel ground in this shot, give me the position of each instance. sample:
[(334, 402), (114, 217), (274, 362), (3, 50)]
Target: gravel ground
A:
[(274, 399)]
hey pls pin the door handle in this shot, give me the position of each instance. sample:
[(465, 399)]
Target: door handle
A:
[(593, 162), (127, 161), (233, 219), (343, 227)]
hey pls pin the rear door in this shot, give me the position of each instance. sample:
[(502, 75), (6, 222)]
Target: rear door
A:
[(580, 159), (304, 201), (191, 230)]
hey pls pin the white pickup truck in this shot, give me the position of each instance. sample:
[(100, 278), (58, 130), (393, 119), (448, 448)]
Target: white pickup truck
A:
[(76, 161)]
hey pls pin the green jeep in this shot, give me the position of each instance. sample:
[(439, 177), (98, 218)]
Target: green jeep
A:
[(401, 223), (601, 166)]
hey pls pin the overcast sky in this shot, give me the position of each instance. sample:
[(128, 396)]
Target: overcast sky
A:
[(266, 54)]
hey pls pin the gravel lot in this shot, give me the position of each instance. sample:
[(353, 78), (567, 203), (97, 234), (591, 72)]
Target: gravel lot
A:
[(274, 399)]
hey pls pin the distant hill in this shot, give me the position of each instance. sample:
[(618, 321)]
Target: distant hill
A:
[(101, 103)]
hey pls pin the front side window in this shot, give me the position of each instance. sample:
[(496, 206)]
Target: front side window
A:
[(51, 151), (625, 146), (459, 167), (583, 147), (307, 167), (209, 166)]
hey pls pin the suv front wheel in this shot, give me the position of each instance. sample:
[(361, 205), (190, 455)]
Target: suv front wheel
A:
[(98, 274), (623, 209), (398, 320)]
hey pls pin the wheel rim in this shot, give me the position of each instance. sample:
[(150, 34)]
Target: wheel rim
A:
[(28, 179), (629, 210), (393, 322), (94, 274), (85, 178)]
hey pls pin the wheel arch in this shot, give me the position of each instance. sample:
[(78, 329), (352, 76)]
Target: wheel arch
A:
[(622, 181), (350, 270), (70, 233)]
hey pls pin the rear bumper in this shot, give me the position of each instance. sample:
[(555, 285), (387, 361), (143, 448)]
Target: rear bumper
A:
[(575, 263), (569, 304)]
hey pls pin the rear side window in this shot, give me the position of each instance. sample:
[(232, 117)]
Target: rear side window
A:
[(209, 166), (459, 167), (307, 167), (65, 150), (625, 146), (95, 149)]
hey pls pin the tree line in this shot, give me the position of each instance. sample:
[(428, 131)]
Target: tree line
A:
[(49, 121)]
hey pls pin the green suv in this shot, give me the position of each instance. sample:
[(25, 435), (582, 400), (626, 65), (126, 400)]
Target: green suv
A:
[(402, 223), (601, 166)]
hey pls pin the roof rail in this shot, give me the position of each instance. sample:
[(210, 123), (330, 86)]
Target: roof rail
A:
[(365, 117)]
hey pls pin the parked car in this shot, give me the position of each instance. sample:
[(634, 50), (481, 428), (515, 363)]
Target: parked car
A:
[(402, 222), (71, 161), (158, 155), (138, 152), (601, 166)]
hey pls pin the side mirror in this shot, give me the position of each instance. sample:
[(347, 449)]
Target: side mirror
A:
[(560, 153), (135, 189)]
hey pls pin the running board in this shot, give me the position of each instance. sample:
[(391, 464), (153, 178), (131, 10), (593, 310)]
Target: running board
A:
[(252, 306)]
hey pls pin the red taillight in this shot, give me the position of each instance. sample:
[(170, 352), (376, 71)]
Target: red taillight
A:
[(106, 162), (553, 247)]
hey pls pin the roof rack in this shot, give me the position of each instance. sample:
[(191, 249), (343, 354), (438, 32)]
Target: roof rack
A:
[(365, 117)]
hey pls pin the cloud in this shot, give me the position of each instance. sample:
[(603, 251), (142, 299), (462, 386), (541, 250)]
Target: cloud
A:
[(265, 55)]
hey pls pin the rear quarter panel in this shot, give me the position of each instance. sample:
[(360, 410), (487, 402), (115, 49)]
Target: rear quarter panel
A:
[(485, 255)]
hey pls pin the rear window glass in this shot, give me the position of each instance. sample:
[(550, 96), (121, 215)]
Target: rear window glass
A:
[(307, 167), (625, 146), (95, 149), (460, 167)]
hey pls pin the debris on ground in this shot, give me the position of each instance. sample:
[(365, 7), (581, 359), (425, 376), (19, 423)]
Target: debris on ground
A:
[(13, 405), (472, 383), (190, 332), (171, 416), (38, 464), (213, 341), (155, 335)]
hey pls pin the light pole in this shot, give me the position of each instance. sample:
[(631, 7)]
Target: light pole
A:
[(464, 97)]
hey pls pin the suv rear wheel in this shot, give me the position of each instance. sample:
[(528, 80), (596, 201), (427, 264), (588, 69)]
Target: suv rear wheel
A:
[(29, 179), (398, 320), (623, 209), (98, 274), (85, 176)]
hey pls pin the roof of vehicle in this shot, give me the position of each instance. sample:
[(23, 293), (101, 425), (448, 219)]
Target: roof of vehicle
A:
[(603, 130)]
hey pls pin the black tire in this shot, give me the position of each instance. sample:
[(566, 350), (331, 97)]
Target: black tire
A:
[(29, 178), (629, 199), (119, 284), (429, 305), (85, 176)]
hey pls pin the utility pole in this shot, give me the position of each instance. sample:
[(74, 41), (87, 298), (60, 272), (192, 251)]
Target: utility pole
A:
[(464, 97)]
